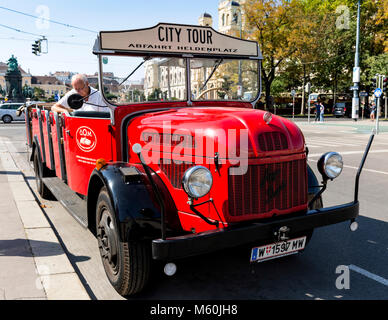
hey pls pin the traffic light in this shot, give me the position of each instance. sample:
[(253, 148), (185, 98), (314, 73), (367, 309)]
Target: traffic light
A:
[(36, 48), (384, 88)]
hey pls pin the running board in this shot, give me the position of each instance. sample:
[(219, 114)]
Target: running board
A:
[(69, 199)]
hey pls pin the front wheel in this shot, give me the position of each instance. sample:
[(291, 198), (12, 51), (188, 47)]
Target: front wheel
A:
[(126, 264), (7, 119)]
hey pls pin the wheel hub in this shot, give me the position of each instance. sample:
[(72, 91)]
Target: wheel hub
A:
[(108, 240)]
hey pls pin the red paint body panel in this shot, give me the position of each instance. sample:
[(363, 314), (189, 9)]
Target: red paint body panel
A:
[(54, 136), (85, 141), (203, 123), (274, 151), (46, 138), (35, 128)]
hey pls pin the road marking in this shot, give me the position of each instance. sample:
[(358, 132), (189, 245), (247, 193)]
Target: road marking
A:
[(369, 274), (332, 143)]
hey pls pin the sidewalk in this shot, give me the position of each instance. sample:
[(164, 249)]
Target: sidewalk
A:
[(33, 264)]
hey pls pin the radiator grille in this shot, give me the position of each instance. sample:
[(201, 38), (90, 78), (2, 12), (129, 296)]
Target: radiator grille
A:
[(267, 187), (174, 170), (272, 141)]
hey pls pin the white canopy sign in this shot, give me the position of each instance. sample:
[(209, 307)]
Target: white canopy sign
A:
[(181, 39)]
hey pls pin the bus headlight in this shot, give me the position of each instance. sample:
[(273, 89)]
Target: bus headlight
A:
[(330, 165), (197, 181)]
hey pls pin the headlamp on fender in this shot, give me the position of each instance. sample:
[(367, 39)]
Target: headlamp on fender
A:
[(197, 182), (330, 165)]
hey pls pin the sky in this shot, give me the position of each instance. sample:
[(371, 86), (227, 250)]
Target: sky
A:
[(70, 49)]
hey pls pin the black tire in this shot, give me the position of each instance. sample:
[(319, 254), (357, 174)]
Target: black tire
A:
[(40, 173), (7, 119), (126, 264)]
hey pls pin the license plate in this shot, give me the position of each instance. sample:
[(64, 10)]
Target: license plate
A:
[(277, 250)]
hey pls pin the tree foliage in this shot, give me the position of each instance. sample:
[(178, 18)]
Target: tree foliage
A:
[(314, 41)]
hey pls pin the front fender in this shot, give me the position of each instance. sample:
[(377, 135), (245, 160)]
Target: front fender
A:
[(136, 210)]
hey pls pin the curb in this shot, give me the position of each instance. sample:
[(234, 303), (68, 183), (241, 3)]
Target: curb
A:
[(57, 276)]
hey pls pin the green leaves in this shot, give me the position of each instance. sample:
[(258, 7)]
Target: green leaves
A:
[(314, 40)]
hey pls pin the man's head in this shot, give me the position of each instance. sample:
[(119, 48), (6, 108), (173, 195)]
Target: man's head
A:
[(80, 84)]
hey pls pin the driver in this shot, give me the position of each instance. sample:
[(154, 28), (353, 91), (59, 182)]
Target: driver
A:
[(81, 86)]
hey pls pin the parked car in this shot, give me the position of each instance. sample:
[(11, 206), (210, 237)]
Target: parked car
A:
[(8, 112), (344, 109)]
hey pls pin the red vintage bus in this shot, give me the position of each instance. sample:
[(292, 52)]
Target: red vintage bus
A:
[(185, 166)]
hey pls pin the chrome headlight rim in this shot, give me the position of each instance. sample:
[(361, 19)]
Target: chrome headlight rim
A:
[(186, 181), (323, 165)]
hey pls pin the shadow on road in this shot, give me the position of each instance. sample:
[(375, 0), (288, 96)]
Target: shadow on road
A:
[(22, 248)]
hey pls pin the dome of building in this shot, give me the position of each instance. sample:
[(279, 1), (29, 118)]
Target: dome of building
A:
[(205, 15)]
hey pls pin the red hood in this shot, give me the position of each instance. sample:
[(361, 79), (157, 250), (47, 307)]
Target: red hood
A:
[(215, 123)]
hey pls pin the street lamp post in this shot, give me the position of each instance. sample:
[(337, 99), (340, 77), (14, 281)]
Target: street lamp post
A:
[(356, 69)]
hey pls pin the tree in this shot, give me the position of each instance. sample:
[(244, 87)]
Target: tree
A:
[(226, 87), (271, 22), (39, 94), (155, 95), (314, 40)]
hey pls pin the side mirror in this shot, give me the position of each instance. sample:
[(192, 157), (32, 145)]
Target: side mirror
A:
[(75, 101)]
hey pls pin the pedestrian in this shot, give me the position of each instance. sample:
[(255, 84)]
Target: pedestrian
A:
[(372, 111), (317, 111), (321, 111)]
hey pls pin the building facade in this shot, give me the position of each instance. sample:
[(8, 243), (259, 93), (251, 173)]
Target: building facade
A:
[(51, 85), (170, 82)]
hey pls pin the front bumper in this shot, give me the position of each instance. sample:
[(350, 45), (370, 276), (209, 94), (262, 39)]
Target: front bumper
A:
[(205, 242)]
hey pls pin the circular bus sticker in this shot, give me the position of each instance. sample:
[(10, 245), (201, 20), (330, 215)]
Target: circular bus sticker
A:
[(86, 139)]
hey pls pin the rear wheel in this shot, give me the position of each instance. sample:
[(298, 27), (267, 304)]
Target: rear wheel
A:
[(126, 264), (43, 191), (7, 119)]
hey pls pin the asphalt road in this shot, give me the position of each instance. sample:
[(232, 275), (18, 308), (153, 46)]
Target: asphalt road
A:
[(362, 255)]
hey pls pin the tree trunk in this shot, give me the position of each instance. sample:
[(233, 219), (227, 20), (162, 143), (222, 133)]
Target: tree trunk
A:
[(268, 102)]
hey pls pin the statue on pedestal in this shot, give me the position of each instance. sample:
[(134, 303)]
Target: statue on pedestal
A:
[(13, 80)]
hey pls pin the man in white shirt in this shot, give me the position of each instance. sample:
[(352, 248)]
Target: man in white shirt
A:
[(81, 86)]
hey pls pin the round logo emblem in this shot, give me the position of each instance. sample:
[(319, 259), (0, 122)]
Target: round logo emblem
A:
[(86, 139)]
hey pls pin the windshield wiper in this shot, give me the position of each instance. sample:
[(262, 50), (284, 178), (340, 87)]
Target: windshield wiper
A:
[(217, 64), (140, 64)]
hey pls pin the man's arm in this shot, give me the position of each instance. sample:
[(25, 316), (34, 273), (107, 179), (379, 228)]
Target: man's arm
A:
[(60, 108)]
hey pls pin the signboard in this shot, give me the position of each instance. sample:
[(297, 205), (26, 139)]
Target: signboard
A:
[(181, 39), (378, 92), (356, 74)]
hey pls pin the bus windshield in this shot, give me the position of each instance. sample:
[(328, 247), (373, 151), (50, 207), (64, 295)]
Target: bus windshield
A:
[(128, 79)]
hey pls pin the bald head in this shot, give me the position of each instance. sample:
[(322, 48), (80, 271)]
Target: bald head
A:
[(81, 84)]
